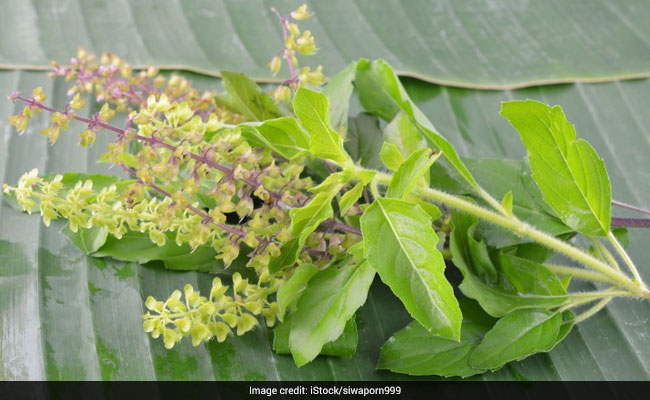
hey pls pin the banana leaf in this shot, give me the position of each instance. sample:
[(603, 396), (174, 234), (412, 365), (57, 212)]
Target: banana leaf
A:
[(504, 44)]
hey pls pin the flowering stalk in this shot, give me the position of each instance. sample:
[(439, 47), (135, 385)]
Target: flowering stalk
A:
[(295, 41), (172, 158)]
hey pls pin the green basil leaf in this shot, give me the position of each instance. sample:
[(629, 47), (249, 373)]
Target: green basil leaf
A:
[(339, 90), (282, 135), (568, 321), (344, 346), (382, 94), (401, 246), (498, 302), (517, 336), (293, 288), (431, 209), (391, 156), (137, 247), (330, 300), (312, 109), (404, 134), (304, 221), (530, 251), (481, 262), (350, 197), (497, 297), (88, 240), (530, 277), (246, 97), (415, 351), (410, 173), (332, 182), (289, 252), (364, 139), (569, 172)]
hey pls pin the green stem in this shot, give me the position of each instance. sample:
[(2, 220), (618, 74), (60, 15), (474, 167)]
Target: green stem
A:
[(493, 202), (525, 230), (604, 253), (576, 303), (593, 310), (513, 224), (578, 299), (621, 251), (579, 273), (373, 189), (600, 293)]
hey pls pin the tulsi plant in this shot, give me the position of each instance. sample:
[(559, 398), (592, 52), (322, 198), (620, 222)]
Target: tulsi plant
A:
[(261, 190)]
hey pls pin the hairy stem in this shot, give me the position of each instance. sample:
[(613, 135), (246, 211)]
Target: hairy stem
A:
[(628, 261), (604, 253), (589, 297), (579, 273), (593, 310), (525, 230), (521, 228), (492, 202), (601, 293)]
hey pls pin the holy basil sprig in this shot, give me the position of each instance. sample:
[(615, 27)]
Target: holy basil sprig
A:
[(302, 216)]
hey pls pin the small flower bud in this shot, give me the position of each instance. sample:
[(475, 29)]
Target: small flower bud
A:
[(282, 94), (293, 29), (19, 121), (87, 138), (199, 333), (77, 102), (305, 44), (244, 207), (183, 324), (219, 330), (38, 94), (148, 325), (238, 283), (274, 65), (170, 338), (290, 43), (301, 13), (245, 323), (106, 113)]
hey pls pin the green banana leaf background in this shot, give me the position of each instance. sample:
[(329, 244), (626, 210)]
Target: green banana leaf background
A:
[(64, 315)]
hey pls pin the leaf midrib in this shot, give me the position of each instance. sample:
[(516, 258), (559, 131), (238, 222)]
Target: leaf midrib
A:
[(413, 265), (570, 143)]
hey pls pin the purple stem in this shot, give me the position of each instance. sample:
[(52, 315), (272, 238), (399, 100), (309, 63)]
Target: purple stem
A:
[(630, 207), (334, 224), (631, 222), (285, 34)]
